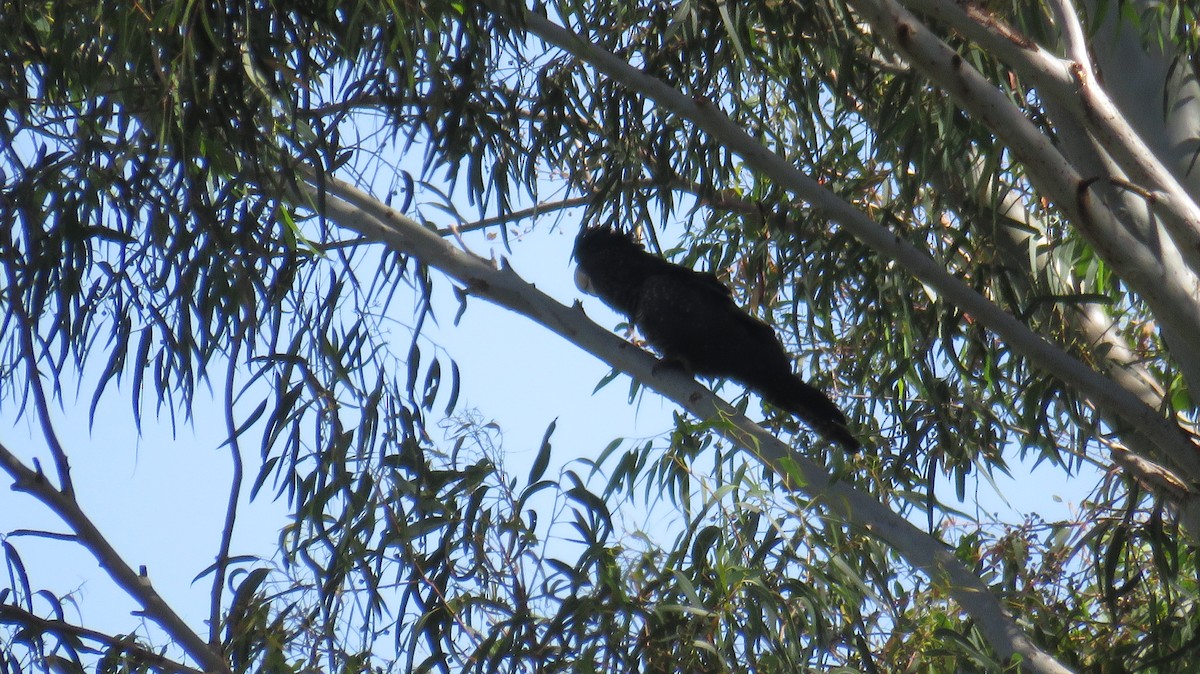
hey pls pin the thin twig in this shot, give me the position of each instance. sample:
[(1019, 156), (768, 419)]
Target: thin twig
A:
[(540, 209), (235, 492)]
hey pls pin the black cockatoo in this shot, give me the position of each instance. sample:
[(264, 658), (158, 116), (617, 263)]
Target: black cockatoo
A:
[(690, 318)]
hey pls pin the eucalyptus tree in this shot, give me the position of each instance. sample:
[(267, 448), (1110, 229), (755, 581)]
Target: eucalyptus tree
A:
[(977, 227)]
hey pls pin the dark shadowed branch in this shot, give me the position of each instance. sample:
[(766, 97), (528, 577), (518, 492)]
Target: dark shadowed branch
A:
[(133, 651)]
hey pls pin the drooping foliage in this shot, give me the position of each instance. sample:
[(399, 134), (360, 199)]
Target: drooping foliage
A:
[(153, 245)]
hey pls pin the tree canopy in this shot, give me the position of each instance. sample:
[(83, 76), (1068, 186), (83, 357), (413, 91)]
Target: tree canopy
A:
[(976, 226)]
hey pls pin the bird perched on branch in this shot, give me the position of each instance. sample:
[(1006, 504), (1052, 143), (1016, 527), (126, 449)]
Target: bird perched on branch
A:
[(690, 318)]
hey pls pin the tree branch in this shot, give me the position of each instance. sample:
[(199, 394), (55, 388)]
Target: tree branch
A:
[(1075, 86), (135, 585), (1084, 199), (1102, 391), (15, 615), (1155, 266), (356, 210)]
